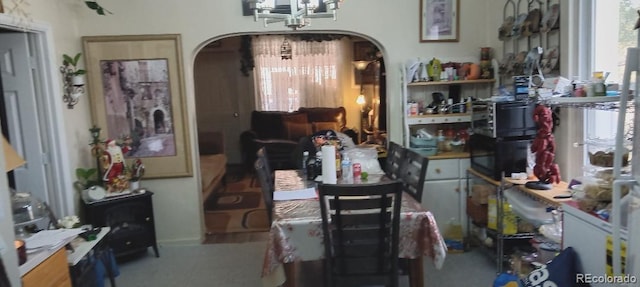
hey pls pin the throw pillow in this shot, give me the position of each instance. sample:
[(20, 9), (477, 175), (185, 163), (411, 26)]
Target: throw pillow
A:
[(560, 272), (319, 126), (295, 131)]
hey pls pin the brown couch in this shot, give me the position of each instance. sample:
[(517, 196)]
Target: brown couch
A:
[(213, 162), (280, 132)]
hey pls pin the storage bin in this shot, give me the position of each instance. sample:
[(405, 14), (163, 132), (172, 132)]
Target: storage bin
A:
[(416, 142), (429, 151), (477, 212)]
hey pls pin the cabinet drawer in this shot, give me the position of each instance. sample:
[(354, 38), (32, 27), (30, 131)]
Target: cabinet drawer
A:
[(53, 272), (443, 169), (130, 243)]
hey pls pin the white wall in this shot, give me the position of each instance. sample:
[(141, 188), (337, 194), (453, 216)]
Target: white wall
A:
[(394, 25)]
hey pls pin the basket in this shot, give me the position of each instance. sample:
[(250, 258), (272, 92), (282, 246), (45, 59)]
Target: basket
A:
[(427, 151), (417, 142)]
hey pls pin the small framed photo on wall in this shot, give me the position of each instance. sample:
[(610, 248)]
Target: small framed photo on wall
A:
[(439, 20)]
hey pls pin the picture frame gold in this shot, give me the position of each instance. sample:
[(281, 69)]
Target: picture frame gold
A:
[(439, 20), (136, 88)]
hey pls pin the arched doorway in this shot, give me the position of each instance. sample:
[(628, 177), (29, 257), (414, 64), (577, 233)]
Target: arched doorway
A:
[(159, 122), (224, 92)]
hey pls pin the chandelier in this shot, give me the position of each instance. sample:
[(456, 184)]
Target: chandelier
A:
[(296, 13)]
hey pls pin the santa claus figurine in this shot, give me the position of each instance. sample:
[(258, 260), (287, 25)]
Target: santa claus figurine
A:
[(114, 166)]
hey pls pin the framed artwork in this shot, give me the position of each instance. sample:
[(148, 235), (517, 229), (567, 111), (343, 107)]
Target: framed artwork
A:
[(439, 20), (136, 87)]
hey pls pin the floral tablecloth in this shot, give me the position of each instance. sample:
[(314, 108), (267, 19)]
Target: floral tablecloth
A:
[(296, 231)]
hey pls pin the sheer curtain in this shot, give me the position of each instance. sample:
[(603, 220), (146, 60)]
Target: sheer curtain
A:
[(309, 79)]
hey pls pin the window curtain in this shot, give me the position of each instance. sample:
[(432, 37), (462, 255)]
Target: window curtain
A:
[(309, 79)]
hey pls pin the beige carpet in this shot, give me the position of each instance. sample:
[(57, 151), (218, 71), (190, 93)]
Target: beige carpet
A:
[(239, 207)]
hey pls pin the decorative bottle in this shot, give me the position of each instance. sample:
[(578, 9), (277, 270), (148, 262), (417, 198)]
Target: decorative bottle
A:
[(305, 158)]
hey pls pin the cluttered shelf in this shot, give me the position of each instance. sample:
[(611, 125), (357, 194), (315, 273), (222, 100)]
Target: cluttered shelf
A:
[(558, 194), (459, 82), (600, 103)]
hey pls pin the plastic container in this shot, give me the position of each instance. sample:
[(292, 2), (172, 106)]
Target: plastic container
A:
[(417, 142), (528, 209)]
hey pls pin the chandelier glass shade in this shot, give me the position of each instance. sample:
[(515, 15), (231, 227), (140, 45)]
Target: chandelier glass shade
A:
[(295, 14)]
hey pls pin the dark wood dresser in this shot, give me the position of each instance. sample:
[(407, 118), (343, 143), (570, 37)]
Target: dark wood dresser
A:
[(131, 220)]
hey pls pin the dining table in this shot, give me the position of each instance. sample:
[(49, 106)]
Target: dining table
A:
[(296, 232)]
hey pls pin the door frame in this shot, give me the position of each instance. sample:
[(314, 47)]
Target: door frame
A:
[(49, 104)]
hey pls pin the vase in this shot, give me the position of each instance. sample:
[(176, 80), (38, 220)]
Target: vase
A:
[(77, 80), (134, 185)]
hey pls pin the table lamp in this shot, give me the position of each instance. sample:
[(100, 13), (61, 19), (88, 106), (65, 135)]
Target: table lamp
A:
[(11, 158), (11, 161)]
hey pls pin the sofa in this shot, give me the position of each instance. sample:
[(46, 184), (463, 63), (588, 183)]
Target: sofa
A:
[(213, 162), (280, 132)]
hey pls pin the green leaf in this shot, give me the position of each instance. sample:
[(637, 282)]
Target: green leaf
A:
[(92, 5), (80, 72), (100, 11), (67, 60), (76, 59)]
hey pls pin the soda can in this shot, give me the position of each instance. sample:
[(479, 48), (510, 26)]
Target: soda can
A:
[(357, 170)]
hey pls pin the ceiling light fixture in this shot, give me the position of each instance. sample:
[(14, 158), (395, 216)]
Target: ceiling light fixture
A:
[(296, 13)]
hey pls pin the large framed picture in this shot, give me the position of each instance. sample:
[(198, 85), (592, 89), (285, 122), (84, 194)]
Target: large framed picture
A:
[(439, 20), (136, 86)]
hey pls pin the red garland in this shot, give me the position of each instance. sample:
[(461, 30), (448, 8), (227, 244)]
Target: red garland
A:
[(544, 146)]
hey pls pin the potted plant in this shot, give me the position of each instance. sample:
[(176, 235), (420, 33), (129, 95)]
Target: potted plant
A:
[(87, 177), (70, 64), (136, 171), (93, 5), (89, 184)]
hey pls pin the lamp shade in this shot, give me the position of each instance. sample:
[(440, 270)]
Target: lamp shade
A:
[(11, 158), (360, 100), (361, 65)]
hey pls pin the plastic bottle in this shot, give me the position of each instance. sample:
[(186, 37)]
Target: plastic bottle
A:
[(305, 158), (318, 163), (347, 174)]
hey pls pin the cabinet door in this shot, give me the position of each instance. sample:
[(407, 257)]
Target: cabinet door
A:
[(442, 198)]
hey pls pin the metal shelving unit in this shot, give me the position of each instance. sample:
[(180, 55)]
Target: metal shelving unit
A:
[(500, 238)]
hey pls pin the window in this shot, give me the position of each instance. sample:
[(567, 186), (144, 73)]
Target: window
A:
[(311, 78), (613, 34)]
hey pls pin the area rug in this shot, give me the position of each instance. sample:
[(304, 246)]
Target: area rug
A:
[(238, 207)]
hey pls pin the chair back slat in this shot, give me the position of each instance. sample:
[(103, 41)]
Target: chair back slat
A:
[(413, 172), (364, 202), (361, 229), (395, 154)]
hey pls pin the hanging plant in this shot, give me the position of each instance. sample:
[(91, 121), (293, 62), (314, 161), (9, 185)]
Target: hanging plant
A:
[(93, 5)]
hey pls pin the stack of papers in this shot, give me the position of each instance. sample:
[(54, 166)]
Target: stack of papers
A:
[(307, 193), (51, 239)]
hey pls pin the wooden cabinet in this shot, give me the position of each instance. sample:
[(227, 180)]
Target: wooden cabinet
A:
[(52, 272), (131, 220), (444, 190)]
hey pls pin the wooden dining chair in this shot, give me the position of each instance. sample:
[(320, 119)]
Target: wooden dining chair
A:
[(413, 171), (267, 187), (395, 154), (360, 225), (262, 154)]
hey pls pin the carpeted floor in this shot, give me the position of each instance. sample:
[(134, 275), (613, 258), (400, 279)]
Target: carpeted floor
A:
[(238, 207)]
